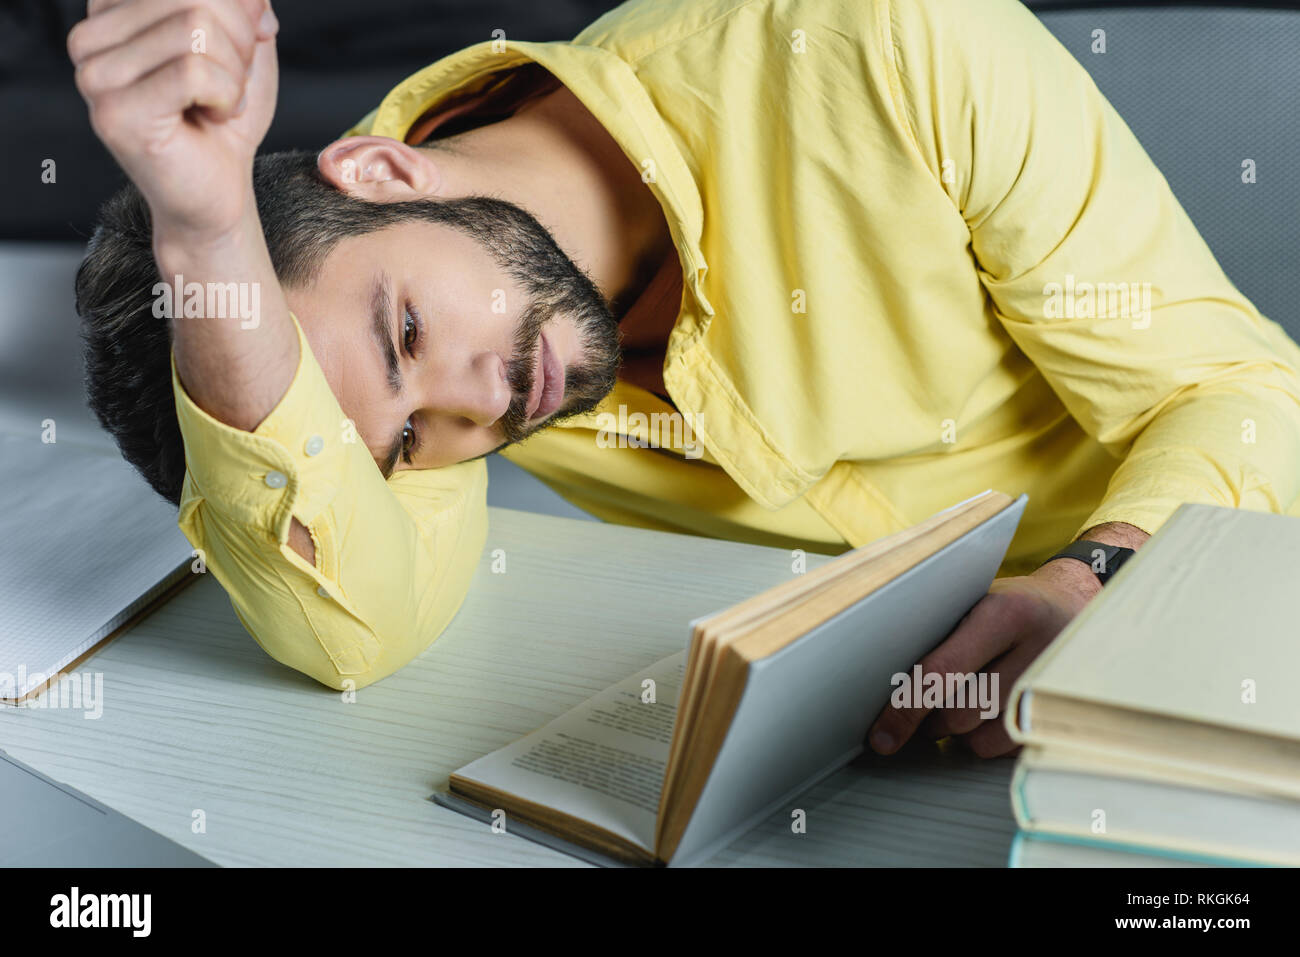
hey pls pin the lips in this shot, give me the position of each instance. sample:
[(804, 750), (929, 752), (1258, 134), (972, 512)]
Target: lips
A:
[(552, 381), (548, 383)]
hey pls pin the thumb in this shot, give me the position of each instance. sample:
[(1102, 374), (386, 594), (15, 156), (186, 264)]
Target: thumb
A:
[(261, 90), (262, 17)]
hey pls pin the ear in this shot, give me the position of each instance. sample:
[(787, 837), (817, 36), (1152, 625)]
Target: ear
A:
[(379, 170)]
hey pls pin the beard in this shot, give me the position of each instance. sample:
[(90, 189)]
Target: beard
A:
[(586, 381)]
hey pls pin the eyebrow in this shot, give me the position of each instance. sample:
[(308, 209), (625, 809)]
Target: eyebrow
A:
[(381, 307)]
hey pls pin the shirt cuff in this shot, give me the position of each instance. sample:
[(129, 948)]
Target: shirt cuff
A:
[(290, 466)]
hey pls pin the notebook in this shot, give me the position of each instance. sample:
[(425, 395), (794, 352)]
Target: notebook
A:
[(86, 547)]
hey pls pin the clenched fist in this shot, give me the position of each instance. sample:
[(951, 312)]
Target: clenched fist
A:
[(181, 92)]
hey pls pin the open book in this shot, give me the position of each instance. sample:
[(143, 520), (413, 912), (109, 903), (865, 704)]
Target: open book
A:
[(86, 547), (676, 761)]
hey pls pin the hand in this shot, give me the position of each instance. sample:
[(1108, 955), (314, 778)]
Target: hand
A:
[(1006, 630), (182, 93)]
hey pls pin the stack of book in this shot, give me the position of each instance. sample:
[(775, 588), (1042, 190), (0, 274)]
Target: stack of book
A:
[(1163, 724)]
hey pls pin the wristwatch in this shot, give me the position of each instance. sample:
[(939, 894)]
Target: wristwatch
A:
[(1103, 559)]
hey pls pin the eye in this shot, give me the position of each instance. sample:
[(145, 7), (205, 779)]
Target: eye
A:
[(412, 332), (410, 329), (408, 441)]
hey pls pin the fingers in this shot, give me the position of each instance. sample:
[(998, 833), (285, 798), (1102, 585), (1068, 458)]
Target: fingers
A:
[(991, 741), (990, 705), (188, 32), (110, 24), (982, 635), (954, 720), (267, 22), (144, 112), (180, 53), (192, 81)]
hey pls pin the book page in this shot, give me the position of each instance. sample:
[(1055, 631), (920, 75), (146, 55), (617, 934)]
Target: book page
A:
[(604, 761), (83, 539)]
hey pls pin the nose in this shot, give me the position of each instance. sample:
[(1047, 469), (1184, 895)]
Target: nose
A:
[(469, 386)]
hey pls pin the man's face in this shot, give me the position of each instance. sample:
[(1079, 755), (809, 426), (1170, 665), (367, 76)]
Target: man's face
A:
[(425, 342)]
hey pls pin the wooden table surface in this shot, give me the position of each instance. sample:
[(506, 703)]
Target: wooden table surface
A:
[(196, 718)]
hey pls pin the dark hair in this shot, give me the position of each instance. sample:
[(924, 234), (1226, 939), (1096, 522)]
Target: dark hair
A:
[(127, 349)]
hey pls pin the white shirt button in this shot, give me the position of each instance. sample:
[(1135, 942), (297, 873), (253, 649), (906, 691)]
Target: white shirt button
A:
[(314, 445), (276, 479), (320, 590)]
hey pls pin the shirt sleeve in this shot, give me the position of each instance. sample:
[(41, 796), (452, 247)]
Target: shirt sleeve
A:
[(1194, 390), (393, 558)]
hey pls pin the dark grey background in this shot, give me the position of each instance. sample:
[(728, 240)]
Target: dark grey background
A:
[(338, 59)]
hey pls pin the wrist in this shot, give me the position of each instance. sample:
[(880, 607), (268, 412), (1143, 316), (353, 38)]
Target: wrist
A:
[(1102, 559), (1069, 573), (1116, 533), (181, 247)]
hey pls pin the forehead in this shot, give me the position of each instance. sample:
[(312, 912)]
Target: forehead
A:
[(427, 258)]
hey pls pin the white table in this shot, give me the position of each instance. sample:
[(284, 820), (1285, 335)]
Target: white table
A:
[(197, 718)]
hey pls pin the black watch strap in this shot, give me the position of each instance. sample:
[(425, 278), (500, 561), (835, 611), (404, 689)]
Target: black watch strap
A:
[(1104, 560)]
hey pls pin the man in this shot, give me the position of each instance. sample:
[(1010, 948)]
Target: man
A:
[(863, 260)]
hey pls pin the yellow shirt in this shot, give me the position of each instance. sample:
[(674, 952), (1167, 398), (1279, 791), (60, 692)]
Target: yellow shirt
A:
[(901, 225)]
